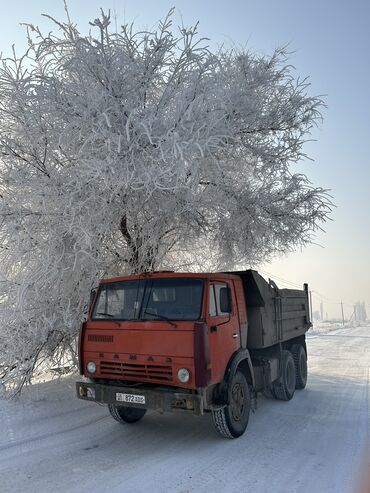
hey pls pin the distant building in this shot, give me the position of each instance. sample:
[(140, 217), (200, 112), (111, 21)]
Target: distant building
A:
[(360, 311)]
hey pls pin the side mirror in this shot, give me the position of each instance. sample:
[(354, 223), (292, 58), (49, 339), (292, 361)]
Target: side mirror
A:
[(225, 300)]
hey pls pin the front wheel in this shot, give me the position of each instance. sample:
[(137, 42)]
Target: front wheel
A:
[(232, 420), (126, 414)]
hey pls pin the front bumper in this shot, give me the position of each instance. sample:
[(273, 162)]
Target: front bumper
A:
[(162, 400)]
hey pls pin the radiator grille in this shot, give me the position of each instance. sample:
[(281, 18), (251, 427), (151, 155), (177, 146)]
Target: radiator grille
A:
[(136, 371), (99, 338)]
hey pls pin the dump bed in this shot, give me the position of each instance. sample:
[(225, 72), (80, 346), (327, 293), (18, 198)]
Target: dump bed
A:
[(274, 315)]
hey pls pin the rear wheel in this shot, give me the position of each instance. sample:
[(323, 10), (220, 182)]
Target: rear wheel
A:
[(267, 392), (126, 414), (232, 420), (283, 388), (300, 363)]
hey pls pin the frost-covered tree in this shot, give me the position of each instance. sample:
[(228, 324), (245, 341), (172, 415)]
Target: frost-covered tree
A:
[(132, 151)]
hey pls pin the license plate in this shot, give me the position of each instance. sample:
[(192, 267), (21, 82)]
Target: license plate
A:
[(133, 398)]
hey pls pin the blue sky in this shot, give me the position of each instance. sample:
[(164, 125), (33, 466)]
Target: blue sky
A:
[(331, 44)]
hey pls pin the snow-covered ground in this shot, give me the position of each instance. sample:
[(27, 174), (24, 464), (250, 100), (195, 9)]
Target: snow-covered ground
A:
[(51, 441)]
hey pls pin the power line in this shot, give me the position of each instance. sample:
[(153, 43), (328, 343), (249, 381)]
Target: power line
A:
[(320, 299), (273, 276), (328, 300), (319, 296)]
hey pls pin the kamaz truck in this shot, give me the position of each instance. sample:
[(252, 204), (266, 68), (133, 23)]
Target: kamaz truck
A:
[(193, 343)]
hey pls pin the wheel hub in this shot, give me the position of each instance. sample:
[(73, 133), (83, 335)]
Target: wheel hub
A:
[(237, 401)]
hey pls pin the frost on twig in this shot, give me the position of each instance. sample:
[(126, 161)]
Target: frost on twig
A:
[(132, 151)]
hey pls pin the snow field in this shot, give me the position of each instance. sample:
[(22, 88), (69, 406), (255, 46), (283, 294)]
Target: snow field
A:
[(51, 441)]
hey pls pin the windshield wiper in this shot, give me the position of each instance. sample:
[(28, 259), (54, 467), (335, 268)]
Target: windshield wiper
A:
[(162, 317), (106, 314)]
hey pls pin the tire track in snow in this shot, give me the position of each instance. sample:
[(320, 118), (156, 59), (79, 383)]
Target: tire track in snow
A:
[(39, 438), (9, 427)]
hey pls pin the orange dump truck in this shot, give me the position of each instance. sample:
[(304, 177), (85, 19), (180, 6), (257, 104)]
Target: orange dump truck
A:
[(195, 343)]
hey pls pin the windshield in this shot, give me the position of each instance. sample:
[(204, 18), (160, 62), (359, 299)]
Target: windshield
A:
[(150, 299)]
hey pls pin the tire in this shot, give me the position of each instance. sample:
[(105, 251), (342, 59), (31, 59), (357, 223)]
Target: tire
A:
[(283, 388), (267, 392), (232, 420), (126, 414), (300, 363)]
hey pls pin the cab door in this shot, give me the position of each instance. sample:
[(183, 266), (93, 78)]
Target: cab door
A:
[(224, 331)]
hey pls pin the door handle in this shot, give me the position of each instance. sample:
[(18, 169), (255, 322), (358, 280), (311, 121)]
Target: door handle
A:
[(235, 336)]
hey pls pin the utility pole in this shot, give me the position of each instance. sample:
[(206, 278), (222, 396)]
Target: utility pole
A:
[(341, 304)]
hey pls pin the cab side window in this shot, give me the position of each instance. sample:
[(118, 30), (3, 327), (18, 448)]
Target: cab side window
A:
[(216, 291), (212, 303)]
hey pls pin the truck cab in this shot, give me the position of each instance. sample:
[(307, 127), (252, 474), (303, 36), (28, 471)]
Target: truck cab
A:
[(176, 342)]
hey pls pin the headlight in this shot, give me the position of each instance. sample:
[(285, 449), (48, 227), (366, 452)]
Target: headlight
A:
[(91, 367), (183, 375)]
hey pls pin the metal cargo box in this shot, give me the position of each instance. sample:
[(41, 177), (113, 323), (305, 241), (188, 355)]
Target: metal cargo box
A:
[(274, 315)]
